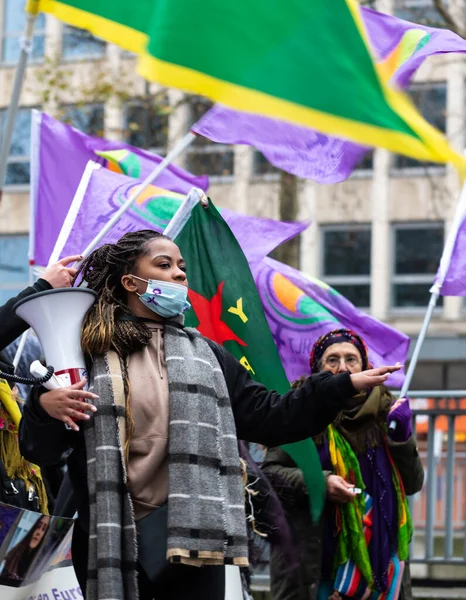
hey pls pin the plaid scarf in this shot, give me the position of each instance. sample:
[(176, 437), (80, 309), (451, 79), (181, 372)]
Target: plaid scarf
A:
[(206, 519)]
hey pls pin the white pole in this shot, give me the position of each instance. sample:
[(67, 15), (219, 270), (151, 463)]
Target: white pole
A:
[(460, 215), (177, 150), (26, 46)]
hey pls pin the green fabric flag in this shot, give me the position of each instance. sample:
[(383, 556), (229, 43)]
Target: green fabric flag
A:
[(304, 61), (226, 308)]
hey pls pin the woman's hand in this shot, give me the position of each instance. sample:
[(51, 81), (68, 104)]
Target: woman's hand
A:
[(373, 377), (68, 404), (58, 274), (400, 413), (339, 490)]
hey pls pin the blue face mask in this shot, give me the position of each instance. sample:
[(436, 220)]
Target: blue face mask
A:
[(165, 298)]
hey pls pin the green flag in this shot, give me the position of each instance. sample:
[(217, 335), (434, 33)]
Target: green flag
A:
[(226, 308), (307, 62)]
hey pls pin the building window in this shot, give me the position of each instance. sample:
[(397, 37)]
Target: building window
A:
[(79, 43), (366, 163), (346, 261), (14, 270), (417, 252), (18, 167), (88, 118), (419, 11), (146, 125), (14, 20), (431, 101), (261, 166), (204, 157)]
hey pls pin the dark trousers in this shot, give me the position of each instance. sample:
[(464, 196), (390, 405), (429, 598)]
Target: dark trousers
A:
[(175, 582)]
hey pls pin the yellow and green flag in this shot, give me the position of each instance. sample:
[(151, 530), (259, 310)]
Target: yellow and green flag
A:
[(302, 61)]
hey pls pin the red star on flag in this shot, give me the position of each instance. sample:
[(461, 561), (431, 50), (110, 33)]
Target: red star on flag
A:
[(209, 314)]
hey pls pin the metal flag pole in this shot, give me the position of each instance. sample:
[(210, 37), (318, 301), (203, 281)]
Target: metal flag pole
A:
[(460, 215), (174, 153), (32, 9)]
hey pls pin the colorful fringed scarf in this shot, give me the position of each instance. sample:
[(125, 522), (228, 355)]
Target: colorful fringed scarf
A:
[(353, 542), (15, 465)]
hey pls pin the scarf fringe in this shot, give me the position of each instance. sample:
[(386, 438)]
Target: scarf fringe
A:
[(180, 555)]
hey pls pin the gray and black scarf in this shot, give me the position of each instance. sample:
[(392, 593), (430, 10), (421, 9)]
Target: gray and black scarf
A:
[(206, 518)]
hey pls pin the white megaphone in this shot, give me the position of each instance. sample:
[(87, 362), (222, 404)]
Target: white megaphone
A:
[(57, 317)]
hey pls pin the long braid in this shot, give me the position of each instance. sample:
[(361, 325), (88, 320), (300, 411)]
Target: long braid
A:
[(103, 329)]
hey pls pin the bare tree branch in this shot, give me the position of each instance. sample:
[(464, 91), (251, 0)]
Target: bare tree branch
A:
[(448, 18)]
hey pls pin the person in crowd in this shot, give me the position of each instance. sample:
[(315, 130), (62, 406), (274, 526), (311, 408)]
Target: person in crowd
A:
[(369, 469), (157, 457), (56, 275), (19, 559)]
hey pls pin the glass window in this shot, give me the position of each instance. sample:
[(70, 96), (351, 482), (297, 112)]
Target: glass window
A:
[(79, 43), (418, 249), (346, 261), (428, 375), (146, 125), (261, 166), (204, 157), (14, 269), (366, 163), (431, 101), (18, 167), (14, 20), (420, 11), (89, 118)]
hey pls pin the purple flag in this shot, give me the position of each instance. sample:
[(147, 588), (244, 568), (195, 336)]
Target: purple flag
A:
[(401, 47), (300, 309), (451, 275), (58, 158), (102, 192)]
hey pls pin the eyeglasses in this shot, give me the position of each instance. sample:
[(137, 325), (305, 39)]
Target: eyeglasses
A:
[(334, 361)]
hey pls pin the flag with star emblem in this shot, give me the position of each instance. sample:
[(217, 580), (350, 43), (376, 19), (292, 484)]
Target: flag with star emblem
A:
[(226, 308)]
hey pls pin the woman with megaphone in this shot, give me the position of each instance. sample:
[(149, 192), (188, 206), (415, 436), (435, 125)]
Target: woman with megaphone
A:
[(155, 466)]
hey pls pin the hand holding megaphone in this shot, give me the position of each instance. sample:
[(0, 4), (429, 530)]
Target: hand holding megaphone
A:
[(69, 404)]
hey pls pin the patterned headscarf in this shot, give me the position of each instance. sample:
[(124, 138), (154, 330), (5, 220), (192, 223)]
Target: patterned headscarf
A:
[(338, 336)]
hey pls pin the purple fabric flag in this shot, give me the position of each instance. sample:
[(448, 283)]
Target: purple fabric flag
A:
[(300, 309), (102, 192), (401, 48), (58, 158), (451, 275)]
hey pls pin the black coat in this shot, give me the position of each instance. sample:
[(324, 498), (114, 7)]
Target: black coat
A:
[(261, 416)]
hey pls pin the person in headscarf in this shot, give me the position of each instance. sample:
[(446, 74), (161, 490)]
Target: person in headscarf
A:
[(360, 548)]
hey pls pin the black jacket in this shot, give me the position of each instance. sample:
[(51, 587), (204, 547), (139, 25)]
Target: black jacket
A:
[(12, 326), (261, 416)]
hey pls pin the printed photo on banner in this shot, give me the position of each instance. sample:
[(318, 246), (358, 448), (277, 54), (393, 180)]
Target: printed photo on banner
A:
[(31, 543)]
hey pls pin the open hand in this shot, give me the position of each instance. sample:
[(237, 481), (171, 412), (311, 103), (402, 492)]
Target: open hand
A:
[(68, 404), (373, 377), (339, 490), (58, 274)]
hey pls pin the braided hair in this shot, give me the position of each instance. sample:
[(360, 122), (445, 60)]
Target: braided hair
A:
[(103, 329)]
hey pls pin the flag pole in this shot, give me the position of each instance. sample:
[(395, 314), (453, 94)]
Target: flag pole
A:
[(32, 9), (460, 214), (174, 153)]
